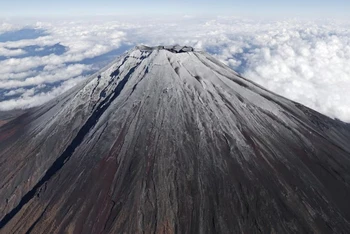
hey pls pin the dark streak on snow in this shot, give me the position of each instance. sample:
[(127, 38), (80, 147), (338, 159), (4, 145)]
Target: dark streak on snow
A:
[(61, 160)]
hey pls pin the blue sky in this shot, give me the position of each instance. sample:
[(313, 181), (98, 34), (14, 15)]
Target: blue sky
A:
[(336, 8)]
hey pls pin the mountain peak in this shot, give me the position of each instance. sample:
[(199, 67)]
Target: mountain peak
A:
[(171, 48)]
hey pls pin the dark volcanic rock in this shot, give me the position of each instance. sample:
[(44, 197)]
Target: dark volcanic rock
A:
[(169, 140)]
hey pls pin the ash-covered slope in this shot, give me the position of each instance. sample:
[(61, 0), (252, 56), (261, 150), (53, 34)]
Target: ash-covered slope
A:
[(169, 140)]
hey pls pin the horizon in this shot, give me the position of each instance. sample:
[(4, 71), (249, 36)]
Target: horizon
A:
[(249, 8)]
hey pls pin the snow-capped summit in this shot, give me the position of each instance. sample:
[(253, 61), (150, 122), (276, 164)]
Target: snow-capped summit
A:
[(169, 140)]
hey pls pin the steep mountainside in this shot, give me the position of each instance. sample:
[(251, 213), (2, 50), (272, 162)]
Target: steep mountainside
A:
[(169, 140)]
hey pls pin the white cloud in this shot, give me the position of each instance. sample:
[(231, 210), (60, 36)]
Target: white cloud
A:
[(8, 53), (83, 41), (5, 27), (28, 99), (47, 76), (15, 92)]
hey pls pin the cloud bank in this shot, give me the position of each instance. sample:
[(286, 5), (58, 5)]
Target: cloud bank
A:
[(306, 61)]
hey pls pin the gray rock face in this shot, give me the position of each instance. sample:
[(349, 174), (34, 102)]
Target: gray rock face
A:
[(169, 140), (173, 49)]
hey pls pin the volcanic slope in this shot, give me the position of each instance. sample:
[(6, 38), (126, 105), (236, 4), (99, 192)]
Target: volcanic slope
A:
[(170, 140)]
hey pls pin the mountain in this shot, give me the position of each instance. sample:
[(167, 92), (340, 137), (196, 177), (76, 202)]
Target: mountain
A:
[(170, 140)]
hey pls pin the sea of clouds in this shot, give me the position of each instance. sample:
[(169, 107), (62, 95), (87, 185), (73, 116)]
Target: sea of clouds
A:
[(307, 61)]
